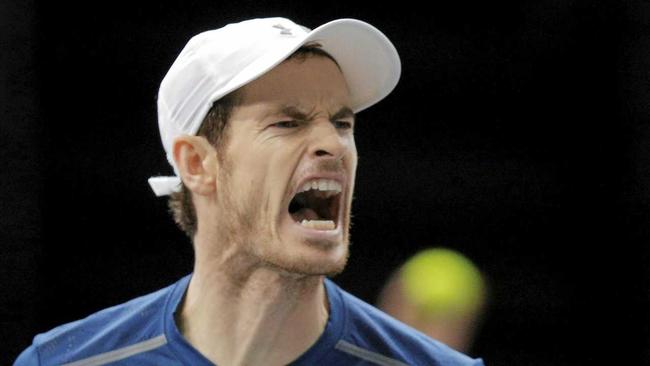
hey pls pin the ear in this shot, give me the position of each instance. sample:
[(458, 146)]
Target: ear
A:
[(196, 160)]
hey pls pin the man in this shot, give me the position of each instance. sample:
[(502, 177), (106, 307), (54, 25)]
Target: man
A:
[(257, 120)]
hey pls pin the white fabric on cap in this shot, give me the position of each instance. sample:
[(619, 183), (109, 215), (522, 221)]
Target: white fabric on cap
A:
[(217, 62)]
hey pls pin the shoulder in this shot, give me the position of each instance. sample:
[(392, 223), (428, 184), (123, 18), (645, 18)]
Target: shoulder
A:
[(28, 357), (369, 329), (139, 320)]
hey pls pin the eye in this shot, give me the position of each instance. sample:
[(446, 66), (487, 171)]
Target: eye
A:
[(286, 124), (345, 125)]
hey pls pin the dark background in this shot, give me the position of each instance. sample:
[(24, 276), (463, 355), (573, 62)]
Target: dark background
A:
[(518, 135)]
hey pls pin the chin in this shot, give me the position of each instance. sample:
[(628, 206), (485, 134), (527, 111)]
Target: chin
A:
[(311, 257), (332, 257)]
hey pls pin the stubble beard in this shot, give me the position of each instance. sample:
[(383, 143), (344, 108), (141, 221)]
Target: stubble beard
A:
[(244, 226)]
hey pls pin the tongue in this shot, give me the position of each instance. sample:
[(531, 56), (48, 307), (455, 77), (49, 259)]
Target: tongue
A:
[(304, 213)]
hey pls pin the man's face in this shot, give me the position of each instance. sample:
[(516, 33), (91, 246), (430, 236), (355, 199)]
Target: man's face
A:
[(288, 167)]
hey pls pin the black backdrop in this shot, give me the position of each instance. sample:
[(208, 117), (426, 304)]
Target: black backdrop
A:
[(518, 134)]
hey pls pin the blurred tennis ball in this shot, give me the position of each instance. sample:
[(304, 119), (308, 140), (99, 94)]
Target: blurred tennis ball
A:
[(440, 280)]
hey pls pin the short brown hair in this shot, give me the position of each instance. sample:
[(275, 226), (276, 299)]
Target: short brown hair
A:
[(213, 128)]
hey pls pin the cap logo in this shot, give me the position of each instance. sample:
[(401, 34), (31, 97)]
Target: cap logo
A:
[(284, 31)]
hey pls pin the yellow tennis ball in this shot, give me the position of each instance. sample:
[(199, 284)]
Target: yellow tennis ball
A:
[(440, 280)]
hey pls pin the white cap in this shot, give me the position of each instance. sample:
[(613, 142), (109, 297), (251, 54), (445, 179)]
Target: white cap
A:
[(217, 62)]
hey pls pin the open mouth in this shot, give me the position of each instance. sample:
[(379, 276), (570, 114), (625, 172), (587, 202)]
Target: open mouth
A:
[(316, 204)]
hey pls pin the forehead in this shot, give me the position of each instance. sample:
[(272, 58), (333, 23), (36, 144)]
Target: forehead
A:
[(304, 82)]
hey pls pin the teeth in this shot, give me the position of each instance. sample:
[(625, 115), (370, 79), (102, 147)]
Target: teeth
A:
[(330, 186), (322, 185), (319, 224)]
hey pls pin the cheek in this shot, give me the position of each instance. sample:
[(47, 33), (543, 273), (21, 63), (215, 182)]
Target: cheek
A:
[(352, 161), (353, 157), (268, 170), (282, 164)]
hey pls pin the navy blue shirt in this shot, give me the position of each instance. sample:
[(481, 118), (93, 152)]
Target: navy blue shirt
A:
[(143, 332)]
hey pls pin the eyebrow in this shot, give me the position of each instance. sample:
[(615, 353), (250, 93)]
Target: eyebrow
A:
[(297, 114), (344, 112)]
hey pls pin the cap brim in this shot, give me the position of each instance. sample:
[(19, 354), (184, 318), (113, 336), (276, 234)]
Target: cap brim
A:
[(369, 61)]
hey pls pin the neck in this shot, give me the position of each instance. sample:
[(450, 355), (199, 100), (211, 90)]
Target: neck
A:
[(239, 312)]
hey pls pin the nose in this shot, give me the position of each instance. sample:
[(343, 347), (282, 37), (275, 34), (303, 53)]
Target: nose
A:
[(328, 141)]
